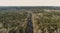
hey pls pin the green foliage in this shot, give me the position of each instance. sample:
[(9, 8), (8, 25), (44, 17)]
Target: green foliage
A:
[(10, 20), (48, 20)]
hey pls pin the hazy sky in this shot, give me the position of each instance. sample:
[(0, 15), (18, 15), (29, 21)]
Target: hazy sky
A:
[(9, 2), (29, 2)]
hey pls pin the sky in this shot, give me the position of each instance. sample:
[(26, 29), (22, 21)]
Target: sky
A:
[(29, 2), (9, 2)]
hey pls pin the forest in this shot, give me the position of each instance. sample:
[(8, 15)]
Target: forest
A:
[(30, 20)]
